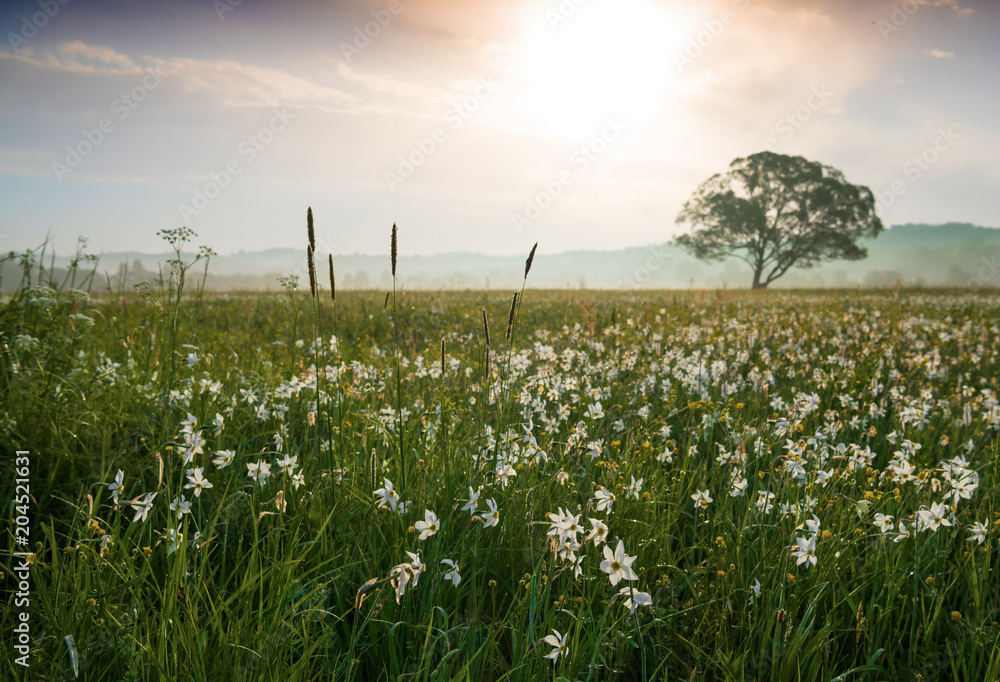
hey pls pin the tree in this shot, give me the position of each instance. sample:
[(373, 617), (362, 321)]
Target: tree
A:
[(774, 211)]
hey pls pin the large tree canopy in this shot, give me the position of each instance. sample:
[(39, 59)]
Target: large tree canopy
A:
[(775, 211)]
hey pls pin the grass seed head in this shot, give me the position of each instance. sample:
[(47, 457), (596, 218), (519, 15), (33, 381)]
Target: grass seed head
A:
[(510, 316), (310, 230), (393, 249), (527, 263), (312, 271)]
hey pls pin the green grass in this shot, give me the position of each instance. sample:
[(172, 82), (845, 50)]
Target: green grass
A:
[(272, 593)]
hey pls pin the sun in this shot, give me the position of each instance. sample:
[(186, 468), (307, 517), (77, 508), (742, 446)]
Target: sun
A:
[(587, 61)]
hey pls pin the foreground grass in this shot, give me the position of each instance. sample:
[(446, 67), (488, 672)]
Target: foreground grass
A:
[(845, 408)]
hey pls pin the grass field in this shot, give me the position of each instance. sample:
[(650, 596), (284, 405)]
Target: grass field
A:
[(657, 485)]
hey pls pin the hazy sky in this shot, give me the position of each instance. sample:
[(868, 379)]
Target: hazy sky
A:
[(476, 125)]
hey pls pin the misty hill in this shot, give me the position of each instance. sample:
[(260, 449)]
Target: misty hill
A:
[(954, 254)]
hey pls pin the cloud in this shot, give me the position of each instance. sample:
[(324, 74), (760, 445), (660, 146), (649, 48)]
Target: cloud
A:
[(250, 85), (386, 84), (954, 5), (939, 54), (77, 57), (237, 84)]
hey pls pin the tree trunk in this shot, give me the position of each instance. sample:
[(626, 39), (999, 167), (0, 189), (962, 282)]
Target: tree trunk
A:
[(756, 277)]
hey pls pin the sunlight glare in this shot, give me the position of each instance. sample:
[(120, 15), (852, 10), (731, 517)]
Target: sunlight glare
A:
[(607, 57)]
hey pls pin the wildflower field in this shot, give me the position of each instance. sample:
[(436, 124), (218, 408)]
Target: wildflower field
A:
[(645, 485)]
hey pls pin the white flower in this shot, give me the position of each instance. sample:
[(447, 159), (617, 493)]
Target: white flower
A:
[(142, 508), (387, 496), (634, 599), (558, 643), (417, 565), (617, 564), (223, 458), (805, 553), (933, 518), (195, 445), (595, 411), (175, 538), (764, 503), (598, 532), (400, 577), (756, 590), (297, 480), (181, 506), (288, 464), (491, 517), (197, 481), (429, 526), (259, 471), (604, 498), (884, 523), (979, 531), (472, 502), (701, 499), (116, 487), (634, 488), (452, 575)]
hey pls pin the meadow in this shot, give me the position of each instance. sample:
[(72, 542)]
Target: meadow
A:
[(721, 485)]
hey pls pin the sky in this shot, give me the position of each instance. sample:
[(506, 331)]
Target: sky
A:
[(476, 126)]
